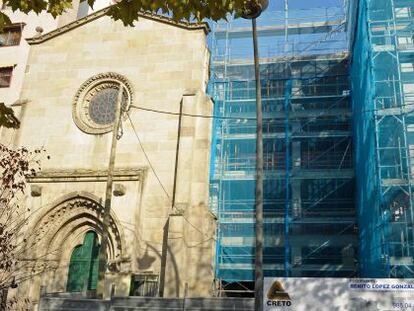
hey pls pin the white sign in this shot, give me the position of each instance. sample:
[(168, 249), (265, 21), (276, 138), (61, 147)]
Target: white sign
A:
[(320, 294)]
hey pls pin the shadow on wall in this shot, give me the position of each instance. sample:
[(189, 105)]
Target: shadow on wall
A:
[(146, 261)]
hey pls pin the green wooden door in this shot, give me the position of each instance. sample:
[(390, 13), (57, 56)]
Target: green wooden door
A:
[(83, 266)]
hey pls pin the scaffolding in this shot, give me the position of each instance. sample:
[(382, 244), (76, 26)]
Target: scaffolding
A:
[(383, 75), (309, 209)]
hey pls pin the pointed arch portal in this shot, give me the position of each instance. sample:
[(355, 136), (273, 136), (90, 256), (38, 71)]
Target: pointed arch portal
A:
[(83, 266), (67, 232)]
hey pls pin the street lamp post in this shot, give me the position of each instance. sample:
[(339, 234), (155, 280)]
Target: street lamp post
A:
[(258, 285), (253, 10), (103, 252)]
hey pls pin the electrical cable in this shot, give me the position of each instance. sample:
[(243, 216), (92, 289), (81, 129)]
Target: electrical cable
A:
[(253, 119), (148, 160), (158, 179)]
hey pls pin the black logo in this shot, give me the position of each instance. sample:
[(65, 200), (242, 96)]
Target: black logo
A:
[(277, 296)]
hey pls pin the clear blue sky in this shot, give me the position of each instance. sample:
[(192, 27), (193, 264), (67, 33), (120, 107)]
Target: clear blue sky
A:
[(304, 4)]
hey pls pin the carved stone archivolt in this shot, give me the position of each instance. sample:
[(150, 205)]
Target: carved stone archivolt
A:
[(94, 103), (62, 225)]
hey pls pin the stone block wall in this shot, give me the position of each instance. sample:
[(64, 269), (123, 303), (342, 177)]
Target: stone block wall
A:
[(162, 63)]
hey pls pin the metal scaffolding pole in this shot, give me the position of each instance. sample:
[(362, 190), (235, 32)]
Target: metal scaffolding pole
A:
[(286, 25), (288, 89)]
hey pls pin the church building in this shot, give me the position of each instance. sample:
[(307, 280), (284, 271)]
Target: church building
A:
[(161, 233)]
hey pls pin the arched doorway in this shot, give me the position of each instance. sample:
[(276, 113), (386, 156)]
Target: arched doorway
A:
[(83, 266)]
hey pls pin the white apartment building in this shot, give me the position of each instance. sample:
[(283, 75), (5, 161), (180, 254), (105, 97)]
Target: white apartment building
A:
[(14, 50)]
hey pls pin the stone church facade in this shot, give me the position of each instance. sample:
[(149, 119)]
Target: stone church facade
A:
[(67, 105)]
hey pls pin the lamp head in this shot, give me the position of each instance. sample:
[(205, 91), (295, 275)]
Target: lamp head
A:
[(254, 8)]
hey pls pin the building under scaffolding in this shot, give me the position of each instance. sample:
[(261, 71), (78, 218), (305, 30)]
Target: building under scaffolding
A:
[(383, 100), (309, 204)]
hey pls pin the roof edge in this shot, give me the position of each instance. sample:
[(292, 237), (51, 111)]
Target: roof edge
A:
[(91, 17)]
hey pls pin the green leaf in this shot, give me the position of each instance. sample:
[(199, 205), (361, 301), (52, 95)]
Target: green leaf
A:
[(4, 21), (91, 3), (127, 10), (36, 6), (57, 7)]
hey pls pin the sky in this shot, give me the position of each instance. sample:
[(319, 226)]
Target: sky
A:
[(304, 4)]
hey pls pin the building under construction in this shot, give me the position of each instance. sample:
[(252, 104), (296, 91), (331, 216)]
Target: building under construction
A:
[(383, 96), (336, 112)]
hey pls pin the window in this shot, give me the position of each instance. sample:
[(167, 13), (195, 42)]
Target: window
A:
[(402, 12), (145, 285), (102, 105), (405, 40), (407, 67), (95, 102), (11, 35), (408, 89), (5, 76), (321, 256)]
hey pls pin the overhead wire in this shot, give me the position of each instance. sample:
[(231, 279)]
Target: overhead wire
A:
[(166, 112), (161, 184), (148, 160)]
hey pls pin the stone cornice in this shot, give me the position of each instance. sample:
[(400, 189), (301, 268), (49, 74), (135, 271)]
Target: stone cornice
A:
[(100, 13), (84, 175)]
